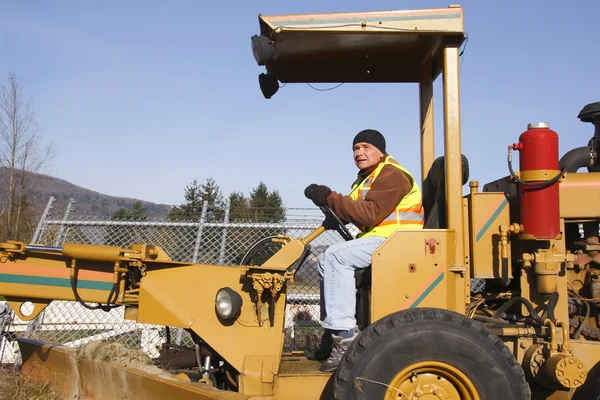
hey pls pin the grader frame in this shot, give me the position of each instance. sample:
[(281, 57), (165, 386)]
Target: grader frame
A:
[(426, 336)]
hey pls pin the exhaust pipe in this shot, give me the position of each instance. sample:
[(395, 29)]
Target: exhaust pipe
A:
[(591, 113), (586, 156), (578, 158)]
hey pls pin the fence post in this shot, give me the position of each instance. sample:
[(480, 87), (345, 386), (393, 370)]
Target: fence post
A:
[(41, 223), (61, 230), (200, 228), (224, 233), (179, 338), (195, 257)]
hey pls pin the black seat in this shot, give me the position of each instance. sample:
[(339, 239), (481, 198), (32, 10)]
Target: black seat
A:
[(434, 203), (434, 193)]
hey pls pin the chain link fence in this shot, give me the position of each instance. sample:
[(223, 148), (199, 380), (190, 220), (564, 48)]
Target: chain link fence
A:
[(214, 238)]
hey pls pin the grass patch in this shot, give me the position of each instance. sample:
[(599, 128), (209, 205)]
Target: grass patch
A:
[(13, 386)]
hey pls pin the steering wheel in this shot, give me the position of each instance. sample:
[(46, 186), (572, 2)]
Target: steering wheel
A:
[(341, 228)]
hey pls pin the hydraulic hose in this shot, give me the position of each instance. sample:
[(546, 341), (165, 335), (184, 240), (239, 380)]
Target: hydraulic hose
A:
[(552, 302), (491, 320), (581, 324), (107, 307), (527, 304), (548, 182), (505, 280)]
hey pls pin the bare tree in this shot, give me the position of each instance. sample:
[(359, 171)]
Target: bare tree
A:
[(21, 150)]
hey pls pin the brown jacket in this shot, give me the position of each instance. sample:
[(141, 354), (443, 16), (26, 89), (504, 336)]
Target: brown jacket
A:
[(385, 194)]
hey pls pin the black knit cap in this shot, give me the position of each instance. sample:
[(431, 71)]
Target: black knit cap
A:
[(372, 137)]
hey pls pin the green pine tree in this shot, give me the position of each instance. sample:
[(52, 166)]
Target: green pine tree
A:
[(192, 208), (137, 213), (239, 207), (211, 193), (266, 206), (125, 236), (261, 206)]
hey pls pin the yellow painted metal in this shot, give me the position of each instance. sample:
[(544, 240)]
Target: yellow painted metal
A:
[(258, 375), (574, 189), (58, 367), (281, 260), (18, 306), (184, 297), (589, 353), (538, 175), (332, 47), (45, 277), (547, 265), (431, 379), (303, 378), (527, 283), (462, 274), (32, 292), (313, 235), (93, 252), (488, 211), (540, 301), (562, 308), (452, 145), (442, 20), (411, 270), (427, 120)]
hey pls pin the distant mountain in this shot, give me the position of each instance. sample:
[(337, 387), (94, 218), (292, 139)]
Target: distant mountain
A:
[(88, 202)]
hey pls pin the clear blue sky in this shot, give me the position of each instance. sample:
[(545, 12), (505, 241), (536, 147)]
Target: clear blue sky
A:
[(141, 97)]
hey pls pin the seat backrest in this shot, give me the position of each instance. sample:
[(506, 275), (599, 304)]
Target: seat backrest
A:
[(434, 193)]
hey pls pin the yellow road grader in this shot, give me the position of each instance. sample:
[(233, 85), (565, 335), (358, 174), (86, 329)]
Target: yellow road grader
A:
[(531, 236)]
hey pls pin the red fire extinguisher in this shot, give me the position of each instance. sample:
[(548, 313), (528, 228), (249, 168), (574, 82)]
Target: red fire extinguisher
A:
[(538, 178)]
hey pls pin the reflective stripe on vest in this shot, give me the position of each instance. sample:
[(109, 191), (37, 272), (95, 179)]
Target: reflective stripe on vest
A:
[(408, 214)]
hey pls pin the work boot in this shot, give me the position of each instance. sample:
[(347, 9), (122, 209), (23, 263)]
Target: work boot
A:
[(324, 350), (341, 342)]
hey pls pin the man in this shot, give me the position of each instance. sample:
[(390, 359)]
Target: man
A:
[(385, 197)]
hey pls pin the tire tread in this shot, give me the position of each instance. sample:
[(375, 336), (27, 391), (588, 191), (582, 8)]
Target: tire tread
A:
[(393, 321)]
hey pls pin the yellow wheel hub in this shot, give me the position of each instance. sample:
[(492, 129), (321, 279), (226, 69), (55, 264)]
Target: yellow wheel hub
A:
[(431, 380)]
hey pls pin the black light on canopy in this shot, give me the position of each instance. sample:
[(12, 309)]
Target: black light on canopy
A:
[(262, 49), (269, 85)]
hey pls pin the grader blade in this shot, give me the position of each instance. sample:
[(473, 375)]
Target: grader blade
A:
[(58, 367)]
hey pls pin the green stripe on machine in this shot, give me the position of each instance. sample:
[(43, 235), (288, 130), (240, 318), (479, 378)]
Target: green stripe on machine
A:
[(427, 291), (56, 282), (492, 219)]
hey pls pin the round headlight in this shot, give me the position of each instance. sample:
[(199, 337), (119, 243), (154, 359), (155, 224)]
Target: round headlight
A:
[(262, 49), (228, 303)]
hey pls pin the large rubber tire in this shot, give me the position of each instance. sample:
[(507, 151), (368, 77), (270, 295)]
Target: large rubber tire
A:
[(420, 337)]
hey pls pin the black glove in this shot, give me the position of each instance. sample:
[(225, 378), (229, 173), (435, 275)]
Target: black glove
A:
[(317, 193)]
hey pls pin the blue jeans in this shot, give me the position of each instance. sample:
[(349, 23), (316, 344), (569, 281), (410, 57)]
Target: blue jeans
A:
[(338, 292)]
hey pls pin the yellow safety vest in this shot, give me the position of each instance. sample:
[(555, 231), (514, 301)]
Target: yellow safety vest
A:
[(408, 214)]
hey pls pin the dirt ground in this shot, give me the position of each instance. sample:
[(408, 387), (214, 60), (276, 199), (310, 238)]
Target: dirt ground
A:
[(15, 387), (113, 352)]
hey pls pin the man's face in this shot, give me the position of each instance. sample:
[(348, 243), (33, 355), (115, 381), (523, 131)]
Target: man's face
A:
[(366, 155)]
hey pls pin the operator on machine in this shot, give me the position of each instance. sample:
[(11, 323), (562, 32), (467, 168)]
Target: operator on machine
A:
[(384, 197)]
